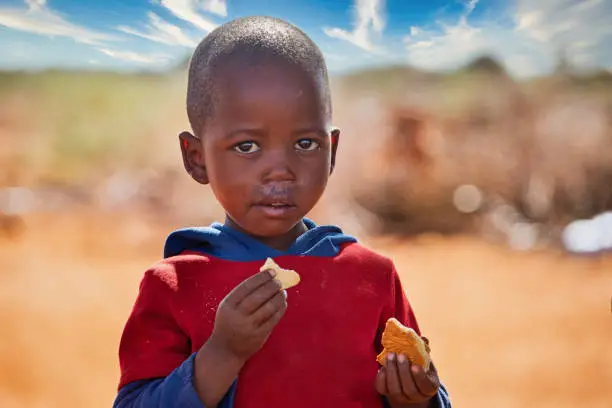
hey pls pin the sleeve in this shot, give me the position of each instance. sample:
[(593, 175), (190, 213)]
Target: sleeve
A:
[(175, 390), (442, 399), (398, 306), (155, 355)]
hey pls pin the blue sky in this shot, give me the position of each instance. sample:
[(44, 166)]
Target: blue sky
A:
[(436, 35)]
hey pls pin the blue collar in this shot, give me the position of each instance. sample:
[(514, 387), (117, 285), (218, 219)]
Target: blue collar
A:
[(221, 241)]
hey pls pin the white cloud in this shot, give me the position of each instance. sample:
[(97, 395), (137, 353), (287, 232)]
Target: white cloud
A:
[(36, 4), (188, 10), (38, 18), (581, 27), (470, 6), (218, 7), (368, 21), (159, 30), (526, 37), (136, 57)]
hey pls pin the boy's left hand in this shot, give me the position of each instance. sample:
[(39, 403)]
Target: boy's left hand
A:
[(407, 385)]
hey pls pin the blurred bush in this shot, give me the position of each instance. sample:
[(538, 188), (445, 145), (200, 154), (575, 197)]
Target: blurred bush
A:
[(470, 151)]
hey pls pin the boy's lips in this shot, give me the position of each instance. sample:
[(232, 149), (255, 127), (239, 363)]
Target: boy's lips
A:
[(275, 207)]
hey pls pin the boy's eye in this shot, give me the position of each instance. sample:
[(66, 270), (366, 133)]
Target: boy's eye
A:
[(246, 147), (307, 144)]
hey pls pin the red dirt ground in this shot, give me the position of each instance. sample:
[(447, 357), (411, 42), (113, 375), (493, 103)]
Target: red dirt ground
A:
[(506, 329)]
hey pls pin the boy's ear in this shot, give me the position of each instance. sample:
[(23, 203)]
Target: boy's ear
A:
[(193, 157), (335, 139)]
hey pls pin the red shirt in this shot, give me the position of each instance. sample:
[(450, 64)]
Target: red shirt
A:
[(321, 354)]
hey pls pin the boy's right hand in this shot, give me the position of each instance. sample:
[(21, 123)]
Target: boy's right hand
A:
[(246, 316)]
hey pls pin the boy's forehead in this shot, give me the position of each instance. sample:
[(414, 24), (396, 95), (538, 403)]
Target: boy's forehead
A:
[(255, 70), (241, 82), (274, 77)]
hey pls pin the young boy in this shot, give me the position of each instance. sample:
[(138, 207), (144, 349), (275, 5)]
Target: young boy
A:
[(208, 329)]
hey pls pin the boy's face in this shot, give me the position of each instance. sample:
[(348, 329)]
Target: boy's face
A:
[(268, 150)]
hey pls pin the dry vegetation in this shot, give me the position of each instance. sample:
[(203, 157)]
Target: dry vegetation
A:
[(103, 182), (536, 153)]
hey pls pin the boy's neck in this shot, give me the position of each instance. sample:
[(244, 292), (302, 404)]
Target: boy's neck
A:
[(280, 243)]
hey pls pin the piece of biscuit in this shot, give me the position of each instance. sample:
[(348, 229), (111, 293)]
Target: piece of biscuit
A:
[(287, 277), (400, 339)]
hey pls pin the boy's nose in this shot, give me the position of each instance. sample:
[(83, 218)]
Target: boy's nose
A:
[(278, 167)]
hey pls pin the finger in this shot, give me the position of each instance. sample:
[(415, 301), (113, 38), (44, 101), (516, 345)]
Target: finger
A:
[(411, 392), (259, 297), (273, 321), (381, 382), (394, 386), (247, 286), (426, 384), (268, 309)]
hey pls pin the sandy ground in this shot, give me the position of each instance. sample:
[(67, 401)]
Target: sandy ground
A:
[(506, 329)]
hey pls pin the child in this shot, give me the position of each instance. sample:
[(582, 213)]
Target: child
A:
[(208, 329)]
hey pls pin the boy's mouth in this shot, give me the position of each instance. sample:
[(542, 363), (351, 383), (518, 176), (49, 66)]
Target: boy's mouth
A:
[(275, 202), (275, 208), (275, 205)]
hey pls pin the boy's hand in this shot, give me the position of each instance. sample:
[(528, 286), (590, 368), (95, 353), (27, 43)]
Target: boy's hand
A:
[(244, 320), (407, 385), (247, 315)]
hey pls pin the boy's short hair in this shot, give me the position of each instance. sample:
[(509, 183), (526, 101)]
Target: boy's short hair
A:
[(249, 40)]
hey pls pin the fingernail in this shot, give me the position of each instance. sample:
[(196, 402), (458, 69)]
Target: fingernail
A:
[(390, 356), (415, 369), (401, 358), (272, 272)]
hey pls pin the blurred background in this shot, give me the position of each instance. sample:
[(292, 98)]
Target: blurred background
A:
[(476, 151)]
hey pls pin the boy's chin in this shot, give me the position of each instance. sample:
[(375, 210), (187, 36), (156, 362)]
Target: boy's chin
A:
[(270, 227), (275, 228)]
